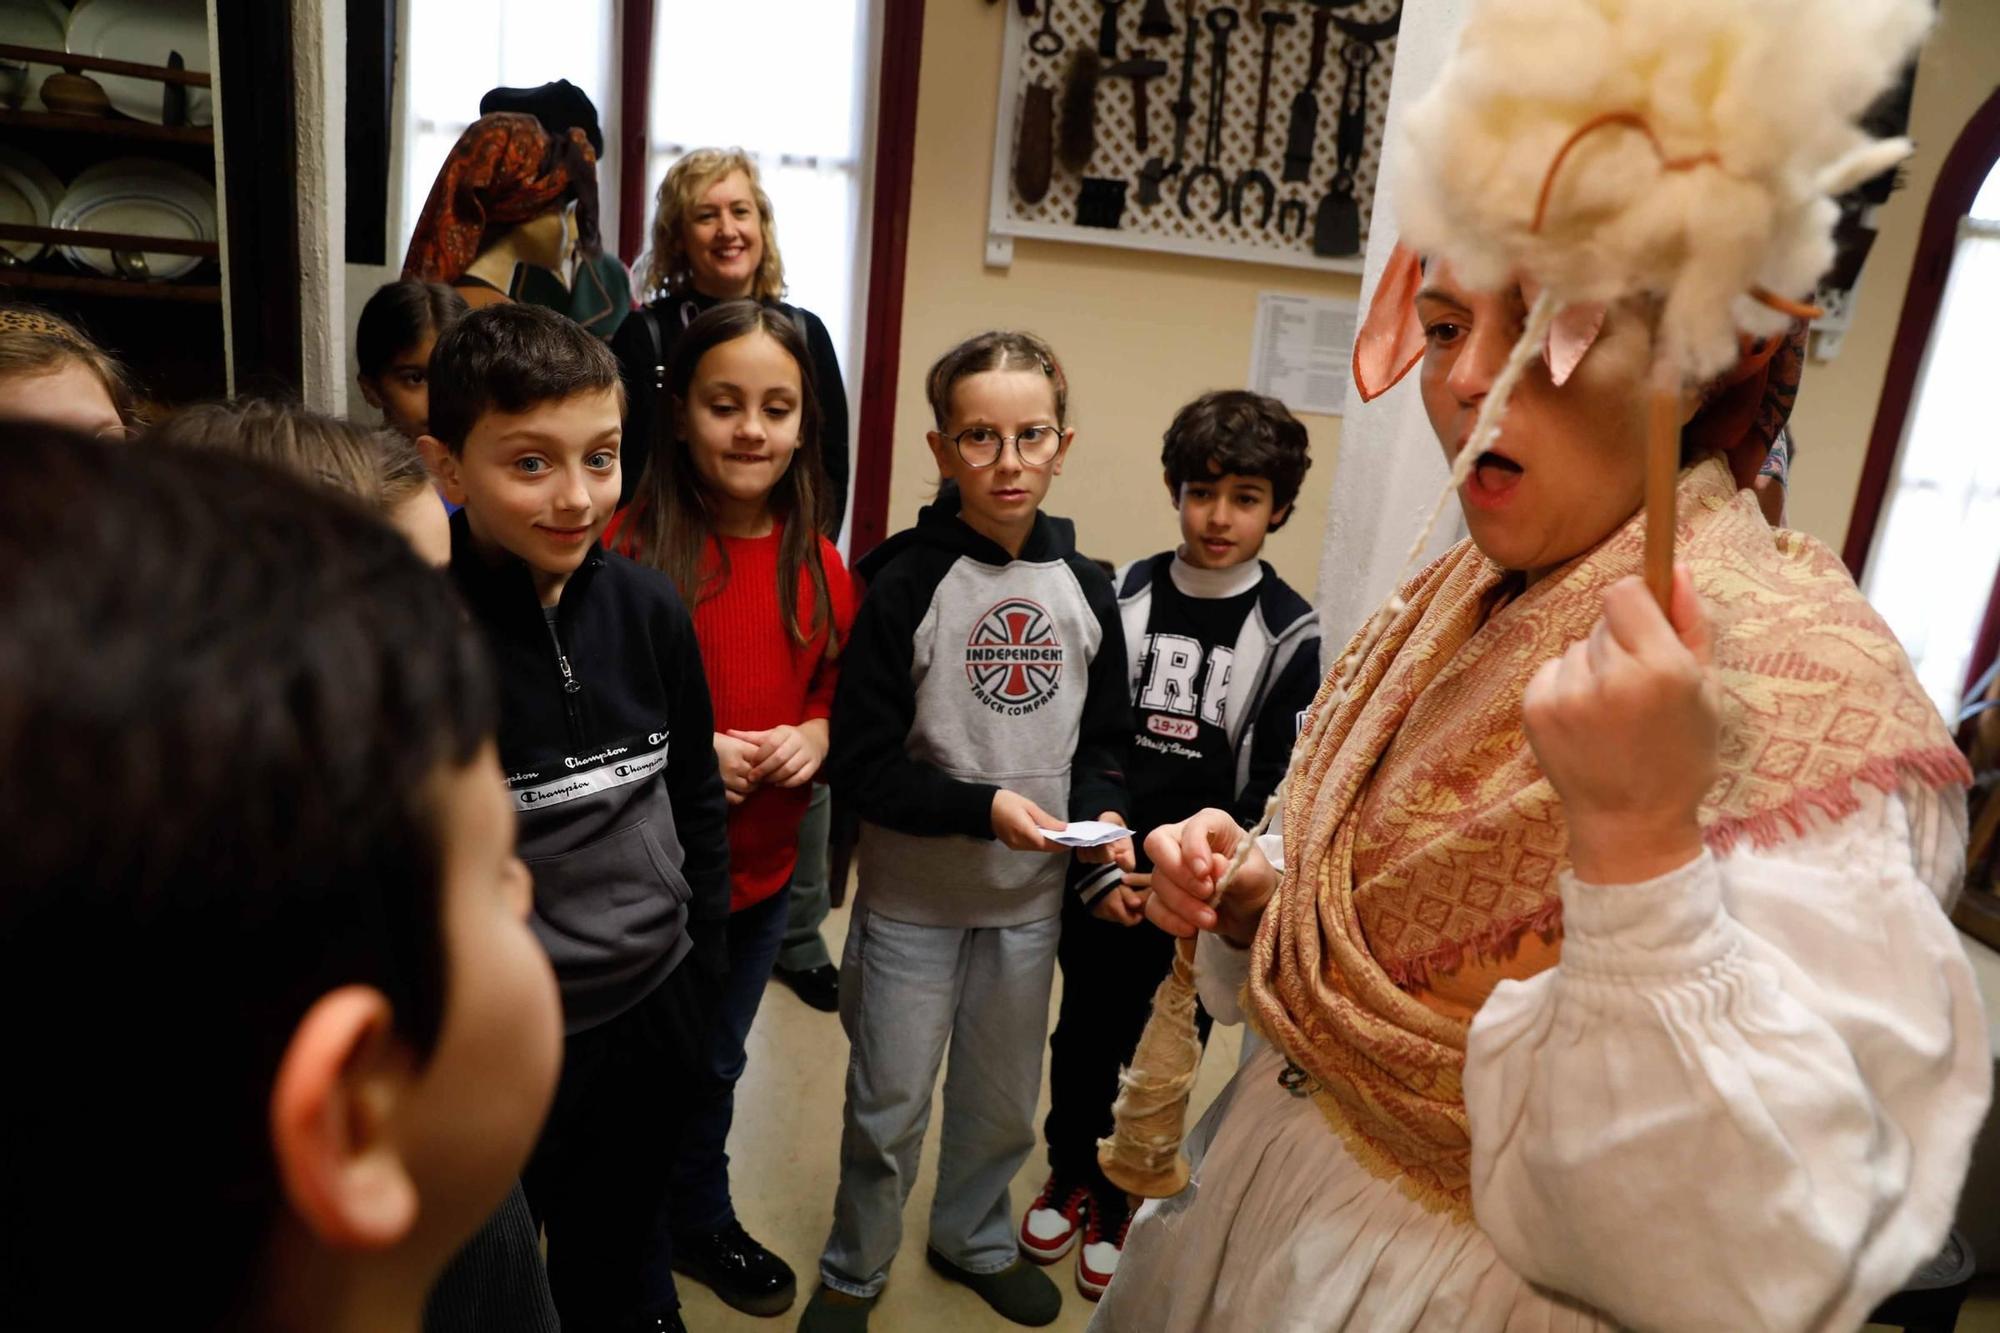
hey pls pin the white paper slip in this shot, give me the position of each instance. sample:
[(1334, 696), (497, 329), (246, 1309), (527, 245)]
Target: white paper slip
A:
[(1088, 833)]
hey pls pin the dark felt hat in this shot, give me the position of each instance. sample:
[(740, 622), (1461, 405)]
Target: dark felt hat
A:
[(560, 106)]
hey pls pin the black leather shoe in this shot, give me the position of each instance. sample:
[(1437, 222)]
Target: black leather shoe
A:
[(817, 986), (736, 1268)]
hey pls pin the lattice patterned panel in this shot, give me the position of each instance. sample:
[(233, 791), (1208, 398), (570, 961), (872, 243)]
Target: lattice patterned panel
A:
[(1360, 45)]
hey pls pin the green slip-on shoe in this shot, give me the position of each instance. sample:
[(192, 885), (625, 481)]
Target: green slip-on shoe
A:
[(1019, 1292)]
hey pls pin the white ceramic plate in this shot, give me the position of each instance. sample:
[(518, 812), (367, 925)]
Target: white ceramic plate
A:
[(28, 195), (142, 197), (29, 23), (146, 32)]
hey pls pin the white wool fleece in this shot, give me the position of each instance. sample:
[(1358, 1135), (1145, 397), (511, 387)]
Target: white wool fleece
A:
[(1769, 88)]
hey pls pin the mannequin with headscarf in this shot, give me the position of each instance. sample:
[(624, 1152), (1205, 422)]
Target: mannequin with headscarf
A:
[(510, 209), (600, 289)]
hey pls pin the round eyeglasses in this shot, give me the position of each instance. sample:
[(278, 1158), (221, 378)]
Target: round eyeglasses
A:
[(980, 446)]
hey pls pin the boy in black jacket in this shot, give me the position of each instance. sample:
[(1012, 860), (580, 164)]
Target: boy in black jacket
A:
[(1224, 660), (605, 730)]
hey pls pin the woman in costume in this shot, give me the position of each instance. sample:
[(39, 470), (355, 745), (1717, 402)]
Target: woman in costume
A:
[(1602, 956)]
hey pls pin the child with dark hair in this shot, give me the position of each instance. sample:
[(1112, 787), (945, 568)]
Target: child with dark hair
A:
[(981, 706), (1224, 661), (730, 510), (318, 1039), (392, 349), (605, 731), (497, 1283)]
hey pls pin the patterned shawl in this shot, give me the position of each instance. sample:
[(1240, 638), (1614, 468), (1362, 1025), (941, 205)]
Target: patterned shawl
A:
[(1422, 835), (504, 170)]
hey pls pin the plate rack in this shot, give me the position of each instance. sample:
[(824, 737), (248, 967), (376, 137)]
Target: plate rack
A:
[(169, 332)]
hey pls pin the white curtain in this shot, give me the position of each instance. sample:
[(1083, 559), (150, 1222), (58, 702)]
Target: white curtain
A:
[(1932, 569), (1390, 469), (800, 109)]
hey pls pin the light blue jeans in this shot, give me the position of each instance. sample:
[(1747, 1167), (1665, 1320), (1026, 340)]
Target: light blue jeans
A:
[(905, 991)]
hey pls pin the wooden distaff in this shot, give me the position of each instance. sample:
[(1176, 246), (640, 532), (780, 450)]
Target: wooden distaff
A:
[(1663, 466)]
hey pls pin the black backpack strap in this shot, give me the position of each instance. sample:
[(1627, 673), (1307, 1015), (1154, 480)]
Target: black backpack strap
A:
[(644, 314)]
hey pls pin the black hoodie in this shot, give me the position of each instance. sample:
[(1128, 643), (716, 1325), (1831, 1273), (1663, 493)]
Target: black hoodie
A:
[(607, 739), (968, 671)]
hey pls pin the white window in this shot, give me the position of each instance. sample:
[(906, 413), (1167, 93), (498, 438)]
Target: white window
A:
[(796, 104), (1933, 567), (460, 49)]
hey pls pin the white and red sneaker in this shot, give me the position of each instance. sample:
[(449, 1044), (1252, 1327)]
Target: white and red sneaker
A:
[(1054, 1221), (1097, 1262)]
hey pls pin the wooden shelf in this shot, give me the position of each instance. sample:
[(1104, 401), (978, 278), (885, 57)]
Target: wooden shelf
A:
[(78, 285), (109, 240), (70, 60), (109, 127)]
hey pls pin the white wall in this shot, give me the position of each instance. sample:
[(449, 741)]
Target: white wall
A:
[(319, 45)]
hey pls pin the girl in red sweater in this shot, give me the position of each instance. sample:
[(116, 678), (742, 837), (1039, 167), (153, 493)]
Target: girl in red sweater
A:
[(730, 509)]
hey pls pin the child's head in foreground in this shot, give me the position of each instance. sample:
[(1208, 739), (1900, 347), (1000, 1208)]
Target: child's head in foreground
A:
[(1001, 402), (50, 371), (1234, 463), (285, 1038), (378, 467), (393, 340), (527, 413)]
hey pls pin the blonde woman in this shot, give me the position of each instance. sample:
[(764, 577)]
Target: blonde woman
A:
[(714, 239)]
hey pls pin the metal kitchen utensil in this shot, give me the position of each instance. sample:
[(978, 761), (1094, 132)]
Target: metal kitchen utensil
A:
[(1254, 174), (1141, 72), (1304, 126), (1222, 21)]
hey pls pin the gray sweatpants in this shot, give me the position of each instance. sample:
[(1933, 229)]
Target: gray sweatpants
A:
[(906, 990)]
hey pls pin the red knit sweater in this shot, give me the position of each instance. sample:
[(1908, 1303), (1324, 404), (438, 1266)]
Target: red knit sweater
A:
[(759, 678)]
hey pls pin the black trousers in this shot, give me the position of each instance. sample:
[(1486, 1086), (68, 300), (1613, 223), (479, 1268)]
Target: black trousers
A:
[(598, 1179), (1109, 975)]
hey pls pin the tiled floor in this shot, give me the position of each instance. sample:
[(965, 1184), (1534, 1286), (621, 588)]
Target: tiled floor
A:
[(785, 1152)]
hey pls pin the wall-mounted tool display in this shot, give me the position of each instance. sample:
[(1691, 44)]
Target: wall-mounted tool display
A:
[(1100, 203), (1221, 21), (1303, 129), (1034, 152), (1141, 72), (1254, 175), (1272, 151), (1078, 131), (1158, 169), (1045, 40), (1107, 29), (1156, 20), (1337, 223), (1292, 219)]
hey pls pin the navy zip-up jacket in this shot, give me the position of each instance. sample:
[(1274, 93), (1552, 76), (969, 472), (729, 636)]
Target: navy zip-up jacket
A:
[(607, 739)]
